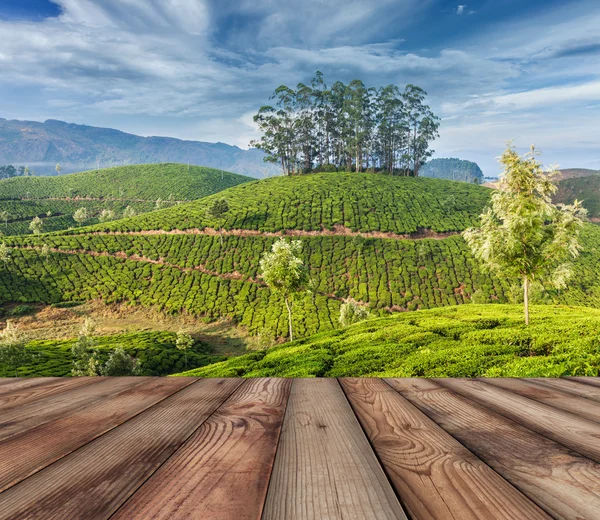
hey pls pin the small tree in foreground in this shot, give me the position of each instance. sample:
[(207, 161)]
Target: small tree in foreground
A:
[(284, 272), (523, 235), (106, 215), (80, 216), (13, 352), (128, 212), (184, 343), (120, 363), (85, 362), (218, 210), (36, 225), (4, 216), (351, 312), (4, 253)]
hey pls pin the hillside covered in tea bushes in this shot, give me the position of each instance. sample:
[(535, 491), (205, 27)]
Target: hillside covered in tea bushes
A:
[(586, 189), (143, 188), (362, 237), (459, 341)]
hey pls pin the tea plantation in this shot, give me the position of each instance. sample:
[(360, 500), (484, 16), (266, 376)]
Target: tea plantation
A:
[(459, 341), (55, 199), (360, 202), (155, 351), (193, 272)]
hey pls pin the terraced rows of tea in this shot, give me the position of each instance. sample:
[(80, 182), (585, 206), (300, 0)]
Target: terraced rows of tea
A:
[(194, 273), (359, 202), (55, 199)]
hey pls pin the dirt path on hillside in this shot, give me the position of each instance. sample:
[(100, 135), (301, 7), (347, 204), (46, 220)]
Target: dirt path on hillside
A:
[(336, 231), (121, 255)]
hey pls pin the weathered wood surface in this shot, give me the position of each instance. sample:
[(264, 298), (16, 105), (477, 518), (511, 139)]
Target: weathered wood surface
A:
[(562, 482), (581, 435), (303, 449), (437, 477), (325, 467)]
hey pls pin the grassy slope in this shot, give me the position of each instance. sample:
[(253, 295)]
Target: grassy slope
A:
[(138, 186), (459, 341), (156, 351), (586, 189), (362, 202), (385, 274)]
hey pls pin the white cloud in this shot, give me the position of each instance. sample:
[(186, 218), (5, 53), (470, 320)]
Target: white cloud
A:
[(460, 9)]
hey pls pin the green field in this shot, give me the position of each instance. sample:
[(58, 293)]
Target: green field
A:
[(458, 341), (194, 273), (155, 351), (55, 199)]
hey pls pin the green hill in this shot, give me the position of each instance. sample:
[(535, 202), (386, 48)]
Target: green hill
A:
[(586, 189), (389, 267), (459, 341), (452, 169), (359, 202), (55, 199)]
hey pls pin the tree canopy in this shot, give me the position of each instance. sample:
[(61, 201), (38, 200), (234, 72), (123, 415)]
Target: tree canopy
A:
[(523, 235), (347, 127)]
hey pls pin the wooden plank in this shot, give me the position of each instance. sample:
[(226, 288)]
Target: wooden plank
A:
[(24, 396), (325, 467), (434, 475), (223, 470), (577, 433), (10, 384), (95, 480), (562, 482), (550, 396), (23, 454), (594, 381), (34, 414), (570, 386)]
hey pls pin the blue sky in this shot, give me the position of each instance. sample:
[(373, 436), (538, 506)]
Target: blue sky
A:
[(495, 70)]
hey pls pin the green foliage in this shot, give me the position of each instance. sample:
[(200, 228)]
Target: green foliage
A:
[(348, 126), (36, 225), (156, 353), (361, 202), (351, 313), (586, 189), (459, 341), (452, 170), (523, 235), (184, 343), (13, 353), (284, 272), (119, 363), (79, 198)]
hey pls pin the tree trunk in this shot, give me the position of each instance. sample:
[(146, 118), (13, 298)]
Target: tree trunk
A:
[(526, 298), (289, 309)]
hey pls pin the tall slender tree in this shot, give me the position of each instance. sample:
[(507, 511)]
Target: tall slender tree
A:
[(523, 235)]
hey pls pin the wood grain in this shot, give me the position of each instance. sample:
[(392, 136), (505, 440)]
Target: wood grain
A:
[(223, 470), (562, 482), (550, 396), (325, 468), (22, 396), (95, 480), (23, 454), (434, 475), (9, 384), (38, 412), (570, 386), (577, 433), (594, 381)]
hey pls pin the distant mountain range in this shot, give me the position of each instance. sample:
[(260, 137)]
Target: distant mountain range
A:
[(452, 169), (81, 147)]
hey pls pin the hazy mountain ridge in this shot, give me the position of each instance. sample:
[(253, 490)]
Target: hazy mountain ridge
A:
[(81, 147)]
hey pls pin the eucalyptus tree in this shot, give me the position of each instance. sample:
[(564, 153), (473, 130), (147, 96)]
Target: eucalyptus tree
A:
[(36, 225), (523, 235), (423, 126)]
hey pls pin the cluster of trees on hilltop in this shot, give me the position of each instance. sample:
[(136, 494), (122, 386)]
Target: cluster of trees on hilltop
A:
[(347, 127), (8, 171)]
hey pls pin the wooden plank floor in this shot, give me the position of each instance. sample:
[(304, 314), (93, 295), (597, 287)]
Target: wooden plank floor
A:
[(293, 449)]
